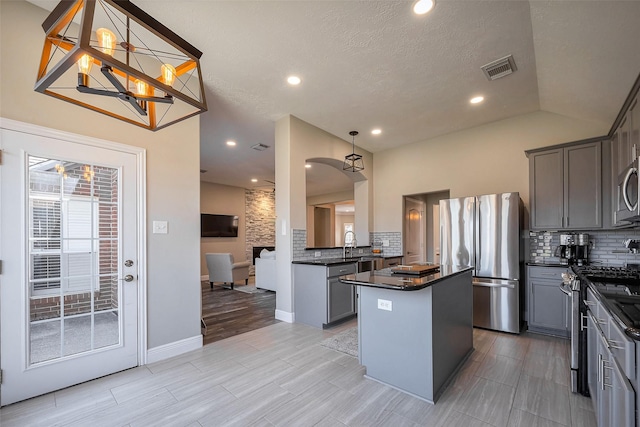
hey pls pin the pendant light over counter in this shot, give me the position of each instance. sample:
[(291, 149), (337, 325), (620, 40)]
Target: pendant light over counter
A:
[(353, 162)]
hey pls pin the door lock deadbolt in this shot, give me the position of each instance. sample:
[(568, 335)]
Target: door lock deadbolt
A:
[(128, 263)]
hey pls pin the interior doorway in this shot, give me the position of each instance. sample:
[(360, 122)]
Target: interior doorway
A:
[(421, 226)]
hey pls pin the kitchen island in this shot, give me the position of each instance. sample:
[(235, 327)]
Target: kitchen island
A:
[(414, 332)]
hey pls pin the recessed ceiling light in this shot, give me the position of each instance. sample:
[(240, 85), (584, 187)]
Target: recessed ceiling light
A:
[(308, 166), (293, 80), (476, 99), (231, 143), (254, 180), (423, 6), (376, 131)]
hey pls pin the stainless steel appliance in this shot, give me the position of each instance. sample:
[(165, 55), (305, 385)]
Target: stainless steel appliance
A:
[(573, 249), (484, 232), (571, 286), (628, 208), (622, 286)]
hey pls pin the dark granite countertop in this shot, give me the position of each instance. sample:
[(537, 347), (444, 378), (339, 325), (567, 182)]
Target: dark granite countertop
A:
[(341, 261), (547, 264), (387, 279), (327, 261), (609, 302)]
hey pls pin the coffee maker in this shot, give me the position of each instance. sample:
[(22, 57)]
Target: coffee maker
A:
[(573, 249)]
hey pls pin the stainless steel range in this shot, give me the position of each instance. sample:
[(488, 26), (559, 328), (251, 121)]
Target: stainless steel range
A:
[(621, 288)]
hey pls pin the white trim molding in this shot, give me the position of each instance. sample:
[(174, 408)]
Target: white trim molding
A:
[(175, 348), (285, 316)]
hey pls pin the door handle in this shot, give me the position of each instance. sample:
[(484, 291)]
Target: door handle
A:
[(128, 278), (625, 196)]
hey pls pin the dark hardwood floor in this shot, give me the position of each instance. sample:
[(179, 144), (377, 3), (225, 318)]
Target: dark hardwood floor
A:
[(229, 312)]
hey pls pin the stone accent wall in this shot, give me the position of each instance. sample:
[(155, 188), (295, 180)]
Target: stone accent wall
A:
[(605, 246), (260, 220)]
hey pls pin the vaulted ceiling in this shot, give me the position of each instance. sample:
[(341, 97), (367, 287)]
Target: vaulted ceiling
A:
[(374, 64)]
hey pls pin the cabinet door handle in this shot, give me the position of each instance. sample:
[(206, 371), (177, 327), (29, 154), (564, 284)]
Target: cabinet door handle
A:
[(583, 326), (589, 303), (600, 370)]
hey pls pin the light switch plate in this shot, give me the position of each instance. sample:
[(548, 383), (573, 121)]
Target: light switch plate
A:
[(385, 242), (160, 227)]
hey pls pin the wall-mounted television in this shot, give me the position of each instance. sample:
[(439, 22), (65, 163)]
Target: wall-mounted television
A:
[(212, 225)]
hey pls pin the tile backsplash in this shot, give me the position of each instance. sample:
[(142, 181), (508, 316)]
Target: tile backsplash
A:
[(300, 252), (606, 246)]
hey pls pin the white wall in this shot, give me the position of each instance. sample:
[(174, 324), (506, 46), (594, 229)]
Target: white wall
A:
[(226, 200), (173, 177), (297, 141), (483, 160)]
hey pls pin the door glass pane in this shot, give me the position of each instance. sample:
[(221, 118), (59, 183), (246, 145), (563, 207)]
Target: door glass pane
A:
[(73, 259)]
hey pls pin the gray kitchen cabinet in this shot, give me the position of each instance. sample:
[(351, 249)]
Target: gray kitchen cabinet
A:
[(548, 307), (593, 373), (319, 298), (566, 187), (610, 364)]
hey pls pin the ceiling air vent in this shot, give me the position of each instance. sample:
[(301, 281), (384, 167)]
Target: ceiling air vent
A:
[(260, 147), (499, 68)]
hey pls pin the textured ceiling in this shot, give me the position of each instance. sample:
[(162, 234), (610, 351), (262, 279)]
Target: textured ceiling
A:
[(367, 64)]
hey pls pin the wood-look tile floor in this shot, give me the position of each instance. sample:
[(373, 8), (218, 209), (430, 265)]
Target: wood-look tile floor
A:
[(281, 375), (229, 312)]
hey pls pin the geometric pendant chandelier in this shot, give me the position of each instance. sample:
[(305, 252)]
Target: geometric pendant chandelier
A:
[(353, 162), (113, 58)]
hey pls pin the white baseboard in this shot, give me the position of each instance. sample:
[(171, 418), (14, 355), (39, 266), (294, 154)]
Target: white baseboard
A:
[(285, 316), (176, 348)]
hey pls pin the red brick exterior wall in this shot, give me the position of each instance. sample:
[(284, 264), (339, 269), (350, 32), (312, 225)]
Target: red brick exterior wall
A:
[(105, 189)]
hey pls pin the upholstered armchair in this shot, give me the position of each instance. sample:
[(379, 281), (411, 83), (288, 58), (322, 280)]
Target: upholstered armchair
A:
[(222, 269)]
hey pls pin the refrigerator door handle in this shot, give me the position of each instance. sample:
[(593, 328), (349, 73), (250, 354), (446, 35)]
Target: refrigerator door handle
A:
[(495, 283)]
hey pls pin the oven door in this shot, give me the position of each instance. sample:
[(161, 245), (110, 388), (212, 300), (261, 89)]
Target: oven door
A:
[(627, 208)]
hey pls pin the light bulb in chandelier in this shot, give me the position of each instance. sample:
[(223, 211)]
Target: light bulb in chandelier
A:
[(107, 40), (142, 88), (84, 68), (168, 74), (84, 64)]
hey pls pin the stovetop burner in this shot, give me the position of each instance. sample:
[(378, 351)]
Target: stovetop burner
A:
[(620, 287)]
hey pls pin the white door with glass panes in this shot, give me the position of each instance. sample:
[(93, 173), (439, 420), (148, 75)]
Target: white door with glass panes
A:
[(69, 280)]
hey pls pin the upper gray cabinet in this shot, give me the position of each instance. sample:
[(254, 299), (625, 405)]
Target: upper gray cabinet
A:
[(566, 186), (625, 143)]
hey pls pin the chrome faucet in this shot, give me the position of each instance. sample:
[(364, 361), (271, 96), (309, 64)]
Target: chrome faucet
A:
[(353, 244)]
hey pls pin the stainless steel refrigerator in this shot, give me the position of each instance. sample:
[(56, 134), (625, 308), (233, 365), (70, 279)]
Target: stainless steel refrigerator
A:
[(484, 232)]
